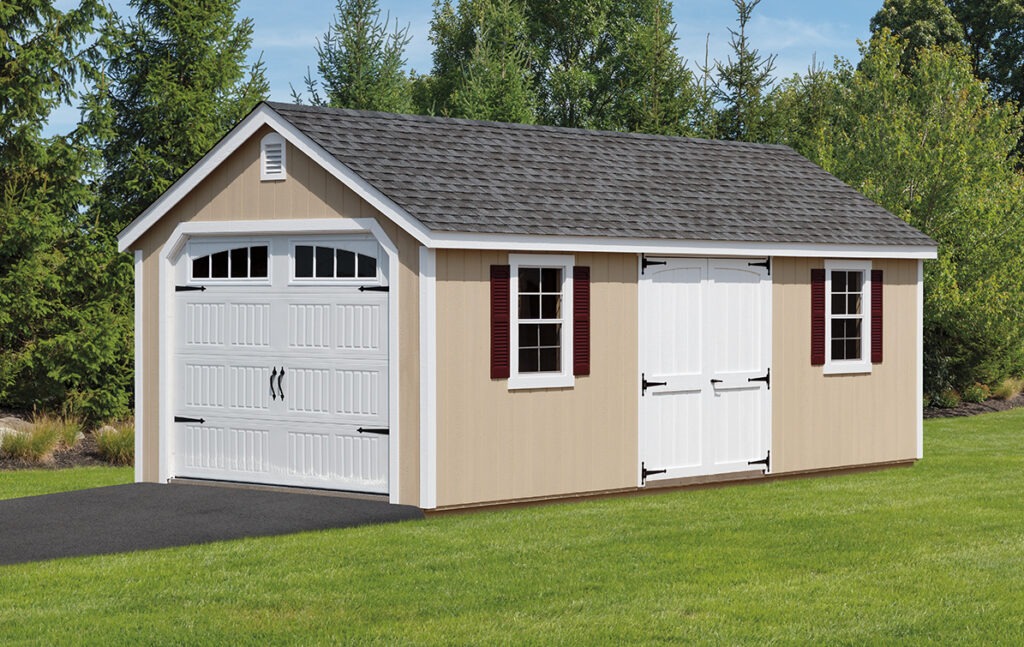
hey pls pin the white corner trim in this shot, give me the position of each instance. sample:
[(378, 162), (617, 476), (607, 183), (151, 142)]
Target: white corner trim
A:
[(920, 359), (565, 377), (264, 115), (641, 418), (165, 399), (140, 447), (394, 353), (428, 378), (848, 367)]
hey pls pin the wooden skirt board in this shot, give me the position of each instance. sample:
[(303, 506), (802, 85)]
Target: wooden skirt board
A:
[(705, 355), (280, 378)]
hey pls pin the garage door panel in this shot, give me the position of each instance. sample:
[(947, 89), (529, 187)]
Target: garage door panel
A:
[(676, 446), (737, 426), (283, 374)]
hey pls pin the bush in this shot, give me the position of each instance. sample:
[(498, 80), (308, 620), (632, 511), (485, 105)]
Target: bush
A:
[(116, 442), (946, 399), (68, 429), (1008, 388), (976, 393), (34, 445)]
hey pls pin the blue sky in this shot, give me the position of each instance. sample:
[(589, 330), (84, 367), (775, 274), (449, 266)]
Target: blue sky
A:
[(795, 30)]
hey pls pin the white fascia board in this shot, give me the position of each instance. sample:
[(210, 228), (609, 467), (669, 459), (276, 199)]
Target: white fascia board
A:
[(539, 243), (264, 115)]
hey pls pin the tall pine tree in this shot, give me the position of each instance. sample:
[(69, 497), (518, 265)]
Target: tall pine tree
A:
[(743, 83), (177, 81), (361, 63), (65, 337)]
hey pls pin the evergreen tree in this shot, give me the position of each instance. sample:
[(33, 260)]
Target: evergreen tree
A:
[(177, 81), (743, 84), (64, 339), (496, 82), (361, 63)]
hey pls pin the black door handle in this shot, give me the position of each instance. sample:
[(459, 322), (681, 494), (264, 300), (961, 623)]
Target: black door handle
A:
[(280, 389), (714, 381), (273, 394)]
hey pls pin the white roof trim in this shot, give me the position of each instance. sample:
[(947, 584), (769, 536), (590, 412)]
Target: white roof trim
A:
[(264, 115), (539, 243)]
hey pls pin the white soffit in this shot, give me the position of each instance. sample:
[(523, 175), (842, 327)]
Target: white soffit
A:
[(264, 115)]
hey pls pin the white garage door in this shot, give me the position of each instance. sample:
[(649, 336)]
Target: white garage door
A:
[(281, 361), (705, 351)]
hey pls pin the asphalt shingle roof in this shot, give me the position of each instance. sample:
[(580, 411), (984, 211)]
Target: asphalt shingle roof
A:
[(455, 175)]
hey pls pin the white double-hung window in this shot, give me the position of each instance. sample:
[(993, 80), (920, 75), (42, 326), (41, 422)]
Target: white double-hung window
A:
[(847, 317), (541, 321)]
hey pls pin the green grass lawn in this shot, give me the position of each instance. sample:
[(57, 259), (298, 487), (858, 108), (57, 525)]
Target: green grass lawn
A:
[(930, 554)]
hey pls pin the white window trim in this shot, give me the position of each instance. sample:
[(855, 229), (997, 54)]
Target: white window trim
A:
[(862, 365), (563, 378), (272, 139)]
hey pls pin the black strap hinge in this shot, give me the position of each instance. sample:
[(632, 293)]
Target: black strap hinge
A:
[(766, 461), (383, 431), (646, 262), (185, 419), (766, 378), (190, 288), (644, 473), (644, 384), (766, 264), (374, 288)]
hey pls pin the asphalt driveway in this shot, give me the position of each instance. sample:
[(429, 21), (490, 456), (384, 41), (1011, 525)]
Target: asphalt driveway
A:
[(141, 516)]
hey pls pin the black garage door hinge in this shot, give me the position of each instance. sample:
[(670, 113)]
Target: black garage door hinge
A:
[(190, 288), (646, 262), (766, 378), (644, 384), (184, 419), (374, 288), (384, 431), (766, 461), (766, 264), (644, 473)]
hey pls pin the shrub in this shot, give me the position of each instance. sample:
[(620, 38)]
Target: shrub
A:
[(976, 393), (68, 429), (34, 445), (116, 442), (1008, 388), (946, 399)]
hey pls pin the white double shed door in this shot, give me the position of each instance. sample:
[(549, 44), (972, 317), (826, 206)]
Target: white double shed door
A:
[(705, 356), (281, 362)]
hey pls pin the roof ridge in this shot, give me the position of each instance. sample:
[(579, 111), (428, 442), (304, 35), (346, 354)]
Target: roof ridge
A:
[(503, 125)]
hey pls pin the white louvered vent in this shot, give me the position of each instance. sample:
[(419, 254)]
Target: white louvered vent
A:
[(272, 158)]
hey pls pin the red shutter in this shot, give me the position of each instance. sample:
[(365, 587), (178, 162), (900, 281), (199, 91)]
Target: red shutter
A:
[(876, 316), (817, 317), (581, 320), (500, 333)]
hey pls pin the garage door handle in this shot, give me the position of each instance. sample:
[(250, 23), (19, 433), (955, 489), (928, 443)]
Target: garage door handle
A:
[(273, 393), (280, 389), (714, 381)]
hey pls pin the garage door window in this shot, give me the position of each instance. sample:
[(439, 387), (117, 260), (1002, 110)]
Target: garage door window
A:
[(234, 263), (312, 262)]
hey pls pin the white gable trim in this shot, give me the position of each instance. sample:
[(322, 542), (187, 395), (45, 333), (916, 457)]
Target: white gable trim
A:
[(264, 115)]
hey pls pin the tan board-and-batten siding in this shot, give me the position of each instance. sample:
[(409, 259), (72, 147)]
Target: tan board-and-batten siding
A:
[(497, 445), (831, 421), (234, 192)]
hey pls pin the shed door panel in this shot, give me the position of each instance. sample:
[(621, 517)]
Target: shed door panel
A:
[(704, 344), (290, 381)]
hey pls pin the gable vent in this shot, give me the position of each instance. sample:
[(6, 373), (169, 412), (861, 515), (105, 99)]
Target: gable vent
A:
[(272, 157)]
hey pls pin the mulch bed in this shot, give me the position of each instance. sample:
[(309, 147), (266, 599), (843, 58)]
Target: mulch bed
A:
[(974, 408)]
